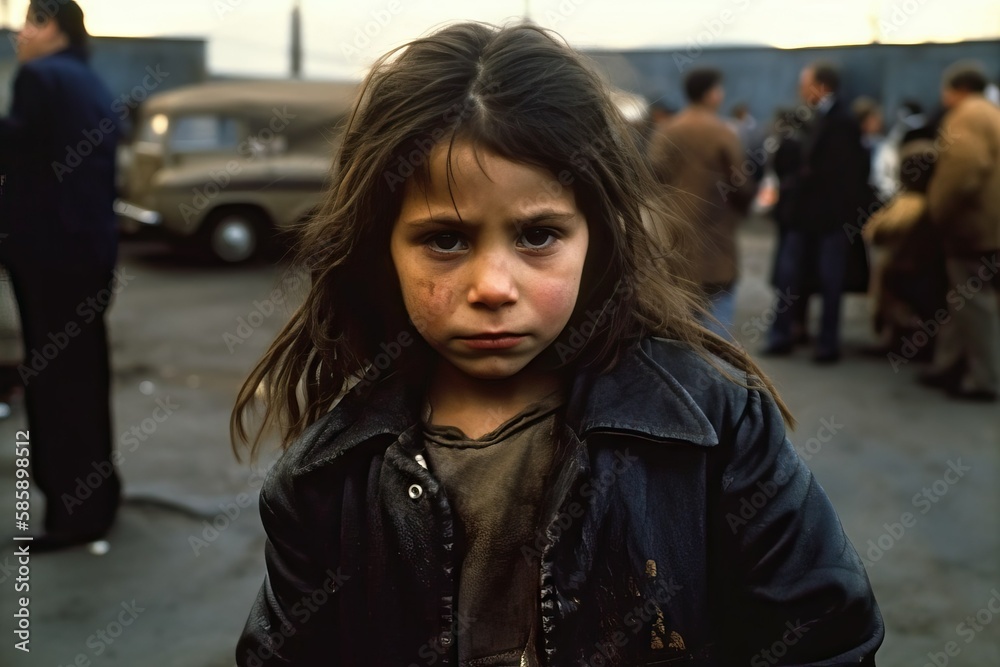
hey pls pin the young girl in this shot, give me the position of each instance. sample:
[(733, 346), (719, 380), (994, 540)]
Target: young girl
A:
[(517, 445)]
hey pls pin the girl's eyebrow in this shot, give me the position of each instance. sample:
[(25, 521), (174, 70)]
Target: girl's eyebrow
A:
[(546, 216), (541, 216)]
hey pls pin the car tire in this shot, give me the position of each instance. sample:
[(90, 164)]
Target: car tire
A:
[(235, 235)]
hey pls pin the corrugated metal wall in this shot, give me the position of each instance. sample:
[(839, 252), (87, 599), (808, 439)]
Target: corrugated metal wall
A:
[(767, 78)]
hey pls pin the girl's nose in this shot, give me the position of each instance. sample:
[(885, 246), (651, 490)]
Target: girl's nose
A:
[(493, 283)]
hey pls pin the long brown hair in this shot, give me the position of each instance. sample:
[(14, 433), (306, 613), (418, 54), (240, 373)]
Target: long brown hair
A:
[(523, 94)]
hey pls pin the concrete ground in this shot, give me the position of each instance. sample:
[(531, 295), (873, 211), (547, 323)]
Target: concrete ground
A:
[(173, 591)]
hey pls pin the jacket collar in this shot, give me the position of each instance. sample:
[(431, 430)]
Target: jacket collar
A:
[(639, 397), (642, 397)]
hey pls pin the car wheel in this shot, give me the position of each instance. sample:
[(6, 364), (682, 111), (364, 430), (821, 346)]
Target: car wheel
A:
[(235, 235)]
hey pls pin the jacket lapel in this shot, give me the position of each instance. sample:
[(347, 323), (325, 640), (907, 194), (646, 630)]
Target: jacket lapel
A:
[(639, 397)]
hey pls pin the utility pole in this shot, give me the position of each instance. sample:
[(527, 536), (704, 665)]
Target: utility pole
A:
[(875, 21), (296, 40)]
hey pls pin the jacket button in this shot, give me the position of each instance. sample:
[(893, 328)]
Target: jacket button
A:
[(415, 491), (445, 639)]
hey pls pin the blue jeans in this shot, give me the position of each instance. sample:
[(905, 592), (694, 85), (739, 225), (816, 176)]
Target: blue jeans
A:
[(792, 280)]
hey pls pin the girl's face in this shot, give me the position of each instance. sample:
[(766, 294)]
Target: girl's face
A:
[(488, 292)]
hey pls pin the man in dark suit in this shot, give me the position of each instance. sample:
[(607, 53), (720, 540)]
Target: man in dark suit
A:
[(831, 184), (60, 249)]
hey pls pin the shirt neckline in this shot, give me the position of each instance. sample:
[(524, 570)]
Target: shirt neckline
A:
[(453, 436)]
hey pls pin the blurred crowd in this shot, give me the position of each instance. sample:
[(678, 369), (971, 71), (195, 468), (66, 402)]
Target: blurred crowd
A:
[(904, 208)]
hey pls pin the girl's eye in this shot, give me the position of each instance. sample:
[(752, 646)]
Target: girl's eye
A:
[(446, 242), (539, 237)]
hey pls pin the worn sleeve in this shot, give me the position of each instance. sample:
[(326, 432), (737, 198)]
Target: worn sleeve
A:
[(794, 590), (962, 167), (293, 621)]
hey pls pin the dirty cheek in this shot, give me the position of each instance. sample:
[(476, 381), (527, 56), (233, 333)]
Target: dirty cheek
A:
[(430, 303)]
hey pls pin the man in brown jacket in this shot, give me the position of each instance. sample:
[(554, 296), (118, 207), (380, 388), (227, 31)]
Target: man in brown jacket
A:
[(964, 202), (709, 181)]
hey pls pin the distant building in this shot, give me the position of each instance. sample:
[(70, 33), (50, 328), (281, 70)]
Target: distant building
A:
[(133, 67)]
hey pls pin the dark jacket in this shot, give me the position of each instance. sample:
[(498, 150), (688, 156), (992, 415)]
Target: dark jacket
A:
[(833, 180), (683, 526), (58, 149), (787, 164)]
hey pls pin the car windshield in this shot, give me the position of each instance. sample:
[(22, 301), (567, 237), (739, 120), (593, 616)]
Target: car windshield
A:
[(189, 134)]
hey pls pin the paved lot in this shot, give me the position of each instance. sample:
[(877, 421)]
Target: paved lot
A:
[(874, 438)]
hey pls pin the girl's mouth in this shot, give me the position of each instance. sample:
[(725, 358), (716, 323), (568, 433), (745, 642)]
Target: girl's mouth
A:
[(497, 341)]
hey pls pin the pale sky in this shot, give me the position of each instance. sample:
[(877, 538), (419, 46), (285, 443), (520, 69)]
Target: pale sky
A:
[(342, 37)]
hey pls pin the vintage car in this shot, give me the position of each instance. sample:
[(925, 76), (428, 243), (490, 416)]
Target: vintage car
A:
[(225, 165)]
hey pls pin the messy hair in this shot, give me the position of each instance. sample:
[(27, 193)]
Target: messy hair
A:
[(523, 94)]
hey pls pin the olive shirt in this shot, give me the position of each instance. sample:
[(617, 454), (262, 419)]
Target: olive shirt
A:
[(495, 486)]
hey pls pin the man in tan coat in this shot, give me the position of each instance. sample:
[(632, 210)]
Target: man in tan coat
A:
[(964, 202), (711, 183)]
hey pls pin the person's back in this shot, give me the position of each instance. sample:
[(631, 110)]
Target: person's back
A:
[(696, 155), (699, 160), (694, 151), (964, 194), (964, 203)]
